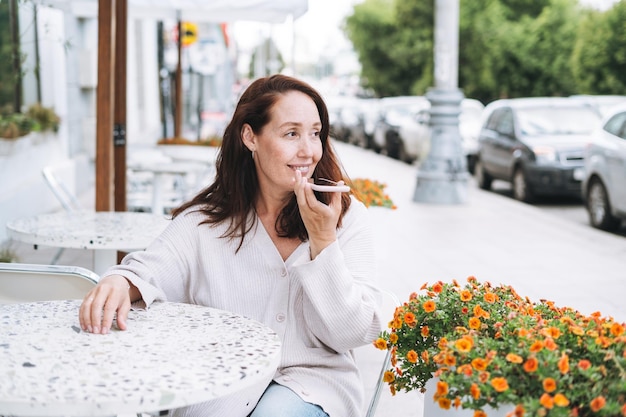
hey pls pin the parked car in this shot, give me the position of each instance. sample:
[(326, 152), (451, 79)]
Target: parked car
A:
[(389, 132), (604, 184), (347, 120), (537, 144), (469, 126), (602, 103)]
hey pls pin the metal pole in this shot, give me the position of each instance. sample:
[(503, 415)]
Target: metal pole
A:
[(442, 177)]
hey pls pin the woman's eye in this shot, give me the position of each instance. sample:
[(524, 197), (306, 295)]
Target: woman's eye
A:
[(316, 133), (292, 134)]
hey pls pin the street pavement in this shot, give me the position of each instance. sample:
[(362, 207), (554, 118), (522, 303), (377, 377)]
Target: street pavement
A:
[(491, 237)]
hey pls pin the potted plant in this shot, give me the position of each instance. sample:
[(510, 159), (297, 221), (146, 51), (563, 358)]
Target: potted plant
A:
[(490, 347), (371, 193), (36, 119)]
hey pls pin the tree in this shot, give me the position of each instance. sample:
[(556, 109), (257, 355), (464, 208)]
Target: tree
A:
[(507, 48), (599, 56), (373, 32)]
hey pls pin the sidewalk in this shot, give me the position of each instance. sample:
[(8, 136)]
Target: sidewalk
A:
[(491, 237)]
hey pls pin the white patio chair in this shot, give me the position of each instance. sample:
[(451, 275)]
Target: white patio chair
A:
[(33, 282), (390, 303)]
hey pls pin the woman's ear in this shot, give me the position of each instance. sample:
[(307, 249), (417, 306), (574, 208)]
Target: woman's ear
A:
[(248, 137)]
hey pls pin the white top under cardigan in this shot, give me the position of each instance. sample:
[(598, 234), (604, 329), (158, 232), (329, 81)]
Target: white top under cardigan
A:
[(321, 309)]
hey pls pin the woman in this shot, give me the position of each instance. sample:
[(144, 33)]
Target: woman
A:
[(260, 242)]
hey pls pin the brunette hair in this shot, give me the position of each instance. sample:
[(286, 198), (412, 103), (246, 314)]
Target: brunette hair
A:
[(232, 194)]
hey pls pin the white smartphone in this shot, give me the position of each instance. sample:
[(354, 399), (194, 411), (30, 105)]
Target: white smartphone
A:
[(331, 188)]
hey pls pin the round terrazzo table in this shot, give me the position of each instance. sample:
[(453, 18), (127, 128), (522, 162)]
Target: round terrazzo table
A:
[(170, 356), (105, 232)]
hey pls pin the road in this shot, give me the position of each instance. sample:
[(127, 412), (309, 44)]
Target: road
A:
[(571, 209)]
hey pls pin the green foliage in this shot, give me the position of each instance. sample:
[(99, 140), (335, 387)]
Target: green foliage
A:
[(507, 48), (599, 56), (372, 29), (36, 119)]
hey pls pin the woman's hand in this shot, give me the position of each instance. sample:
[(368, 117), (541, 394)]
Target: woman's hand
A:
[(319, 219), (110, 296)]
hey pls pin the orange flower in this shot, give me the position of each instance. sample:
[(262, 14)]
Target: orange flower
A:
[(624, 410), (577, 330), (380, 343), (479, 413), (425, 331), (597, 404), (450, 360), (409, 319), (513, 358), (617, 329), (564, 364), (444, 403), (480, 312), (474, 323), (550, 344), (479, 364), (484, 377), (429, 306), (443, 342), (393, 338), (500, 384), (475, 391), (531, 365), (546, 401), (519, 411), (442, 389), (537, 346), (438, 287), (388, 377), (465, 370), (561, 400), (466, 295), (464, 345), (457, 402), (549, 384), (552, 332), (584, 364), (425, 356), (490, 297), (411, 356)]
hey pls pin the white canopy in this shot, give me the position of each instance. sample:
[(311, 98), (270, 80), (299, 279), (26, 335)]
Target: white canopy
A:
[(272, 11)]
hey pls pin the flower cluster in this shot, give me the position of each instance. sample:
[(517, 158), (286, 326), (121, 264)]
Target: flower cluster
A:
[(490, 347), (371, 193)]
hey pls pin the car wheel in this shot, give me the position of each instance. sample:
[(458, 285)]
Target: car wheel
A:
[(483, 179), (521, 190), (599, 207)]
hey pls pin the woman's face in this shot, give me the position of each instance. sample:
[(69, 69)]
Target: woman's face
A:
[(289, 142)]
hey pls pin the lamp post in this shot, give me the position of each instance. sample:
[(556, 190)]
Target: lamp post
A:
[(442, 177)]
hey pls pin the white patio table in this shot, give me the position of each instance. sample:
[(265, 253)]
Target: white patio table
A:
[(171, 355), (106, 232)]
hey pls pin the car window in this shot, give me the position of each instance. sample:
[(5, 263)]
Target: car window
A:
[(505, 123), (552, 120), (616, 125)]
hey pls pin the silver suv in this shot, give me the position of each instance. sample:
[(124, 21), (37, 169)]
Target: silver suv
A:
[(604, 183)]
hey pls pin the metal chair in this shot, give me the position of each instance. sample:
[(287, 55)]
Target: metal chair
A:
[(32, 282), (391, 302)]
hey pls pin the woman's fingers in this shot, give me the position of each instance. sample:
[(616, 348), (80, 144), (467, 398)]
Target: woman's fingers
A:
[(101, 304)]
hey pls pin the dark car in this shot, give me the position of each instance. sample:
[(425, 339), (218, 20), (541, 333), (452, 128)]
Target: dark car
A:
[(537, 144)]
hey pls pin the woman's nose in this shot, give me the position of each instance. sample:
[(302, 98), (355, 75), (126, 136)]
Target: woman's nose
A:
[(305, 147)]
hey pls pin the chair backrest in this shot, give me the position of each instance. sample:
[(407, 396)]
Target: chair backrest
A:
[(390, 303), (31, 282), (67, 199)]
